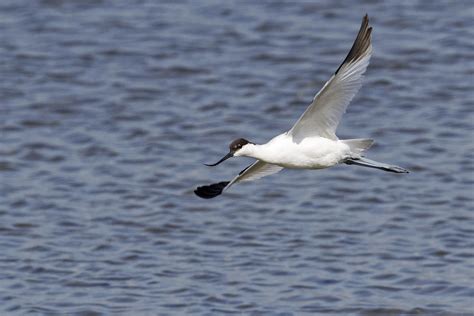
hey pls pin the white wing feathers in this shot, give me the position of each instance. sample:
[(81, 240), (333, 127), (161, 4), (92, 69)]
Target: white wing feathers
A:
[(322, 116), (257, 170)]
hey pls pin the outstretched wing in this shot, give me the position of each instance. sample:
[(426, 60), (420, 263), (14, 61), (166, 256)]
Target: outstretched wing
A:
[(322, 117), (257, 170)]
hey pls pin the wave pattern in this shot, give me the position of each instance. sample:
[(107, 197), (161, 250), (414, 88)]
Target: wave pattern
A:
[(109, 108)]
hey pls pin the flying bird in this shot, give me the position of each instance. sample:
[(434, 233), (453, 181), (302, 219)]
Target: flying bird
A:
[(312, 142)]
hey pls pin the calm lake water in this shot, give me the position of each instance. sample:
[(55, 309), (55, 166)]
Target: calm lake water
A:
[(109, 108)]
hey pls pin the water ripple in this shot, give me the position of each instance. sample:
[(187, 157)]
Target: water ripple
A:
[(109, 109)]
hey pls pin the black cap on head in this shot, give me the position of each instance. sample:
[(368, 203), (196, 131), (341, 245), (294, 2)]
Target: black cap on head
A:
[(237, 144)]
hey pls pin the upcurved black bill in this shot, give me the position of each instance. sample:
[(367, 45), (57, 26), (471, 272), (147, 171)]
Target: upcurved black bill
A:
[(229, 155)]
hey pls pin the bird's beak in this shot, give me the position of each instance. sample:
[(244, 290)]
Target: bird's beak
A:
[(229, 155)]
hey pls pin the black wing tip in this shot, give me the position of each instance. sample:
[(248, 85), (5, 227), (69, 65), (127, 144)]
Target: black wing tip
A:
[(361, 43), (211, 191)]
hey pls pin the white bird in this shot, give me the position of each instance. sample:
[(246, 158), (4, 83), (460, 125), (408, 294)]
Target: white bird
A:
[(312, 142)]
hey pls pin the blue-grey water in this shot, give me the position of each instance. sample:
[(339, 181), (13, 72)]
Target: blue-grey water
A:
[(109, 108)]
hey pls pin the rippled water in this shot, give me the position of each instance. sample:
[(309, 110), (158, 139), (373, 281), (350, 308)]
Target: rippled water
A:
[(109, 108)]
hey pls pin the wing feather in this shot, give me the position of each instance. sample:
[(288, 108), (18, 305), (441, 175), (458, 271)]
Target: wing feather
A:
[(257, 170), (323, 115)]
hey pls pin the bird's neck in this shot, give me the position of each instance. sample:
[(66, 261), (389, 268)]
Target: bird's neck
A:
[(259, 152)]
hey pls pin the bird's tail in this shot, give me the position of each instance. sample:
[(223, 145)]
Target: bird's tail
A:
[(359, 145), (364, 162)]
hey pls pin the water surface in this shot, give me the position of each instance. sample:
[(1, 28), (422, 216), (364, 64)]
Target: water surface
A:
[(109, 108)]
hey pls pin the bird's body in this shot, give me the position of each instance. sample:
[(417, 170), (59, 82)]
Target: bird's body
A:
[(310, 153), (312, 142)]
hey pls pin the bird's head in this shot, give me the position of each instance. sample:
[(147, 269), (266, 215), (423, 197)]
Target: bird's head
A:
[(238, 147)]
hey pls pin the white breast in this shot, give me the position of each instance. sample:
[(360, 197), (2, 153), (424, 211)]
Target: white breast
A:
[(310, 153)]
